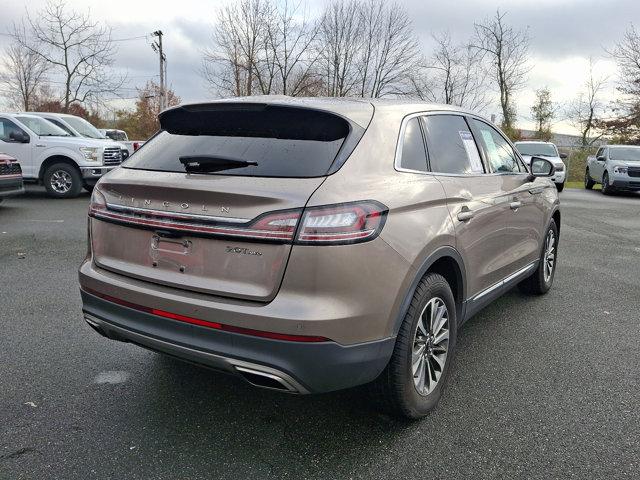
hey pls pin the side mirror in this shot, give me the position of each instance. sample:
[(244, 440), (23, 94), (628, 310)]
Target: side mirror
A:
[(601, 159), (19, 136), (563, 156), (541, 167)]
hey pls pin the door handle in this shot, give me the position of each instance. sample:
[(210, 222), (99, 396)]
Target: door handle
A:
[(465, 214), (40, 145), (515, 205)]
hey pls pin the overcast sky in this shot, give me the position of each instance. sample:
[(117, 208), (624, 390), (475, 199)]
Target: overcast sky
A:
[(564, 33)]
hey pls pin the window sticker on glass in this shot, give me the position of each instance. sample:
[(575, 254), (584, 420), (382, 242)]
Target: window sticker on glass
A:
[(472, 152)]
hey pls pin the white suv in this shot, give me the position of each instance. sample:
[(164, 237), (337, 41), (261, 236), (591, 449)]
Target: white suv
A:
[(48, 154), (548, 150)]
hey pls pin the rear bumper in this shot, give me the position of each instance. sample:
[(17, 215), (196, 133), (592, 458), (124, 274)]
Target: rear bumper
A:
[(627, 184), (288, 366), (11, 185)]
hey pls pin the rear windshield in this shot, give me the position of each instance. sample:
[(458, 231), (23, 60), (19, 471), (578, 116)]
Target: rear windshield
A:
[(248, 140)]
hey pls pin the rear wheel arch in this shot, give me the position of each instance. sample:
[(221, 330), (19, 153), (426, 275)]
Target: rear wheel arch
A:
[(52, 161), (556, 218), (447, 262)]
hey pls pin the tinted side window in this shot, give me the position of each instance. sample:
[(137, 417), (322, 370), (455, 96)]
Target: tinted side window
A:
[(452, 148), (500, 155), (600, 152), (413, 155), (7, 127)]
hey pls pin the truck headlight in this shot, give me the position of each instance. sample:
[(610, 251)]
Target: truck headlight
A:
[(622, 170), (560, 167), (90, 153)]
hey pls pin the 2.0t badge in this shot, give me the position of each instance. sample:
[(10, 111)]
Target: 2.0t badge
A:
[(243, 251)]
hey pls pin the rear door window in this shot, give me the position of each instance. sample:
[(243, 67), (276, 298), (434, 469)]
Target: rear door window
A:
[(451, 145), (413, 155), (253, 141), (501, 156)]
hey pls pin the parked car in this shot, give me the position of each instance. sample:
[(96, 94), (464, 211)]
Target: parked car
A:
[(48, 154), (615, 167), (310, 245), (10, 177), (79, 127), (122, 137), (549, 151)]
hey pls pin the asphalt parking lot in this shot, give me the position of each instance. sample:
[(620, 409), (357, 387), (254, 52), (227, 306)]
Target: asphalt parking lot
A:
[(541, 387)]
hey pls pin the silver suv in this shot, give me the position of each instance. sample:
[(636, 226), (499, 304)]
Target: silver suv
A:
[(309, 245)]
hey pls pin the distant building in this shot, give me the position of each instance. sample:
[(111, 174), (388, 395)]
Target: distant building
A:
[(560, 139)]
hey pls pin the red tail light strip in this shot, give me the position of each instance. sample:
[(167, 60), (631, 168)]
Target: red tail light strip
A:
[(165, 220), (206, 323)]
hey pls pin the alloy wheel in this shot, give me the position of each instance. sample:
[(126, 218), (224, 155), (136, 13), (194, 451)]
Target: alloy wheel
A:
[(430, 346), (549, 255), (61, 181)]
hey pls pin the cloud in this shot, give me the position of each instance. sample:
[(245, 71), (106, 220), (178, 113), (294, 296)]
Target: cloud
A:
[(564, 33)]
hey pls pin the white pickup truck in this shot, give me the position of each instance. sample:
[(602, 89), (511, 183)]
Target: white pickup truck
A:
[(121, 136), (49, 155), (78, 127)]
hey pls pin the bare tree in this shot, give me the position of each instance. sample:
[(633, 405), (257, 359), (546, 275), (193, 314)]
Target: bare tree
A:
[(288, 53), (506, 49), (390, 51), (626, 126), (25, 74), (585, 111), (261, 46), (231, 65), (627, 56), (454, 75), (338, 46), (73, 45)]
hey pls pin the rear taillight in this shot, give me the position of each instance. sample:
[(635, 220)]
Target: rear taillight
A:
[(341, 224), (98, 203), (324, 225), (136, 146)]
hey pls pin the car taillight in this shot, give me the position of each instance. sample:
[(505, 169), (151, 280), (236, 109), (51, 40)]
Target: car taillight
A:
[(136, 146), (323, 225), (341, 224), (98, 203)]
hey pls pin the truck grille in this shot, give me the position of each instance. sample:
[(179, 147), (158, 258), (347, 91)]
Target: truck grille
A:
[(112, 156), (12, 168), (634, 171)]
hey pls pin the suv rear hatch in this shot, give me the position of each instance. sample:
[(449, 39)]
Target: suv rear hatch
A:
[(210, 204)]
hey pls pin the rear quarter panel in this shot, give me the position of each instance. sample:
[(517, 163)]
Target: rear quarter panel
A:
[(418, 221)]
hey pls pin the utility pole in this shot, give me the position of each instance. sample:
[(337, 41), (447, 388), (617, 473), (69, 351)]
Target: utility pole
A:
[(157, 47)]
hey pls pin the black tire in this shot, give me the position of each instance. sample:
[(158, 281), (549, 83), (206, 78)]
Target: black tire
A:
[(394, 390), (607, 189), (539, 283), (62, 181), (588, 183), (560, 186)]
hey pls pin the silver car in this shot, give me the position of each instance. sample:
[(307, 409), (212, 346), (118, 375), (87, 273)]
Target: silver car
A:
[(616, 167)]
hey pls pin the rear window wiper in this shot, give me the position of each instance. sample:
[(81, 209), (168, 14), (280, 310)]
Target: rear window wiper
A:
[(212, 163)]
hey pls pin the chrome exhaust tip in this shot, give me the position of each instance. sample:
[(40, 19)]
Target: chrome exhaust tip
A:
[(265, 380)]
